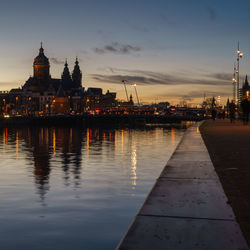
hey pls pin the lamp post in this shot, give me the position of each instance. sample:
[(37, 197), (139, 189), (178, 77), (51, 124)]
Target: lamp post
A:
[(136, 94), (239, 55), (4, 109), (17, 108), (124, 82), (29, 105), (234, 85)]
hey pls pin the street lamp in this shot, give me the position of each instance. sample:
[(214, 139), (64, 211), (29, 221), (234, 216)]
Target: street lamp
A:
[(136, 94), (17, 104), (234, 85), (4, 105), (124, 82), (239, 55)]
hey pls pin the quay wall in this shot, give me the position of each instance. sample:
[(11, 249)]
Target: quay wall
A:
[(93, 120)]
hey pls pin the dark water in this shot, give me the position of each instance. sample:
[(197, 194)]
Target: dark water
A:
[(71, 188)]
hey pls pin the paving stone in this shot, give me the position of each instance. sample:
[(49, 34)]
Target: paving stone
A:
[(189, 170), (187, 198), (149, 233), (191, 147), (187, 143), (190, 156)]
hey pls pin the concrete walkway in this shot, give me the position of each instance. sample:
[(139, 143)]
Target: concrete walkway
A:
[(187, 207)]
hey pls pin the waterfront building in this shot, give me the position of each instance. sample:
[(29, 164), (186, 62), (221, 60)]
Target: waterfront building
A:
[(128, 104), (60, 104), (42, 94), (95, 99), (43, 89)]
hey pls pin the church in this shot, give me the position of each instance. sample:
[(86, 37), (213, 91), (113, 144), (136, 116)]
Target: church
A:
[(246, 90), (53, 95), (42, 81), (43, 95)]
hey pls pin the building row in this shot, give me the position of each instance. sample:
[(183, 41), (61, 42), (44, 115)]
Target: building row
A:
[(42, 94)]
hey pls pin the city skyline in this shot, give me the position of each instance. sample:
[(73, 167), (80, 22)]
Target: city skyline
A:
[(172, 51)]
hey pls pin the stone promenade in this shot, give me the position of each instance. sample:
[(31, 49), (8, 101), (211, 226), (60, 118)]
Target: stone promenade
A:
[(229, 148), (187, 207)]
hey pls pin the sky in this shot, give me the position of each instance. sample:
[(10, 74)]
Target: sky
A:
[(173, 50)]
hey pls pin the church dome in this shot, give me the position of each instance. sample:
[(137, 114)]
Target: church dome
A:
[(41, 59)]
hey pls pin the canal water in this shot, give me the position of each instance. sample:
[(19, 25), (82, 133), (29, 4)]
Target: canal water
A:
[(73, 188)]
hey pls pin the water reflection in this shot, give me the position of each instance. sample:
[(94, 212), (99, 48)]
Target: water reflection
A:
[(133, 166), (173, 138), (41, 157), (78, 182), (66, 145)]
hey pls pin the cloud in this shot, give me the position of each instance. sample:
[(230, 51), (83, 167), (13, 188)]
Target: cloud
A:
[(56, 60), (155, 78), (117, 48), (181, 85), (222, 76), (192, 95), (212, 14), (225, 77)]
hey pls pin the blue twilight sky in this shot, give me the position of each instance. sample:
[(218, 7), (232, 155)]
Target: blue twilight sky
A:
[(173, 50)]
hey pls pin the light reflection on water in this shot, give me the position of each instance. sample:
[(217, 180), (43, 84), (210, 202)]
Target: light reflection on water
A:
[(72, 188)]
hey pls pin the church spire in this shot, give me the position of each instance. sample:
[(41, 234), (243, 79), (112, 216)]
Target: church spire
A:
[(41, 50), (246, 81), (246, 84), (41, 67), (66, 78), (77, 75)]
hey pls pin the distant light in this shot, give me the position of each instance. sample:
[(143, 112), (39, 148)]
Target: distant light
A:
[(240, 53)]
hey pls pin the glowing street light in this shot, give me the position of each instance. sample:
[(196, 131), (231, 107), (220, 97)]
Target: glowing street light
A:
[(4, 105), (136, 94), (234, 81), (239, 55)]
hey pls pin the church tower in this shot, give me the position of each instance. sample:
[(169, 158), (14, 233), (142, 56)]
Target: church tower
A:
[(246, 84), (77, 75), (41, 67), (66, 78), (246, 90), (66, 75)]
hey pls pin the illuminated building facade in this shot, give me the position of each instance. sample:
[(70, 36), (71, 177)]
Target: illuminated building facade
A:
[(42, 94), (42, 82)]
